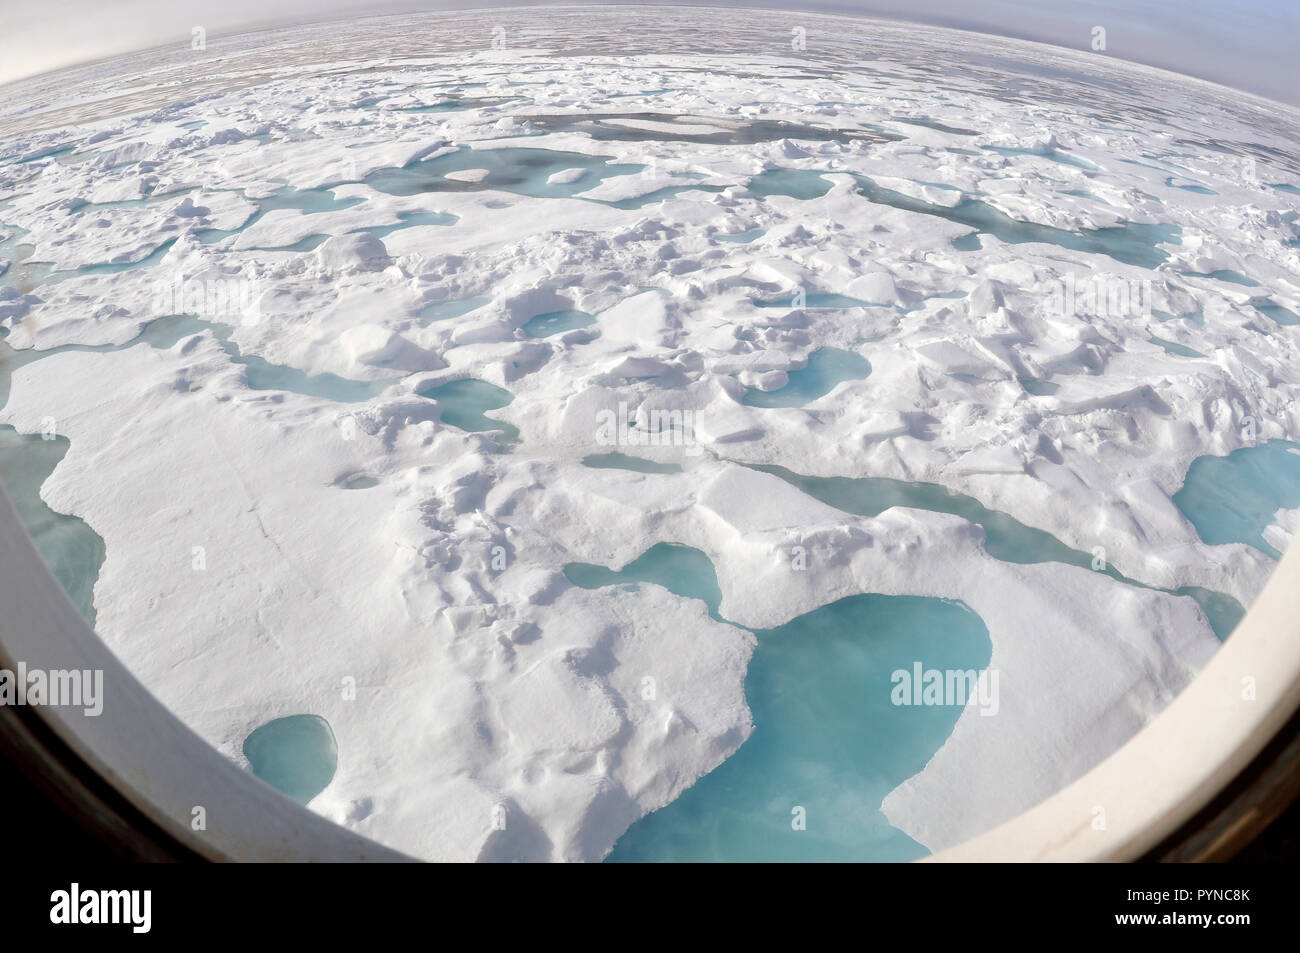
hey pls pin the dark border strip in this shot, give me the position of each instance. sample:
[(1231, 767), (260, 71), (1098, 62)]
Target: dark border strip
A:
[(32, 749), (1243, 809)]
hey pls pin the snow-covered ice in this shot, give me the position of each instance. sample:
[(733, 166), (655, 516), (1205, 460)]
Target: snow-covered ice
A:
[(1002, 234)]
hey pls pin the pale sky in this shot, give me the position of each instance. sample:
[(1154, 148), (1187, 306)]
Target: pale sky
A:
[(1248, 44)]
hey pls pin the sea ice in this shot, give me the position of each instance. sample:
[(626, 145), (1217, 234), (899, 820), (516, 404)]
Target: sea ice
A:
[(324, 351)]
